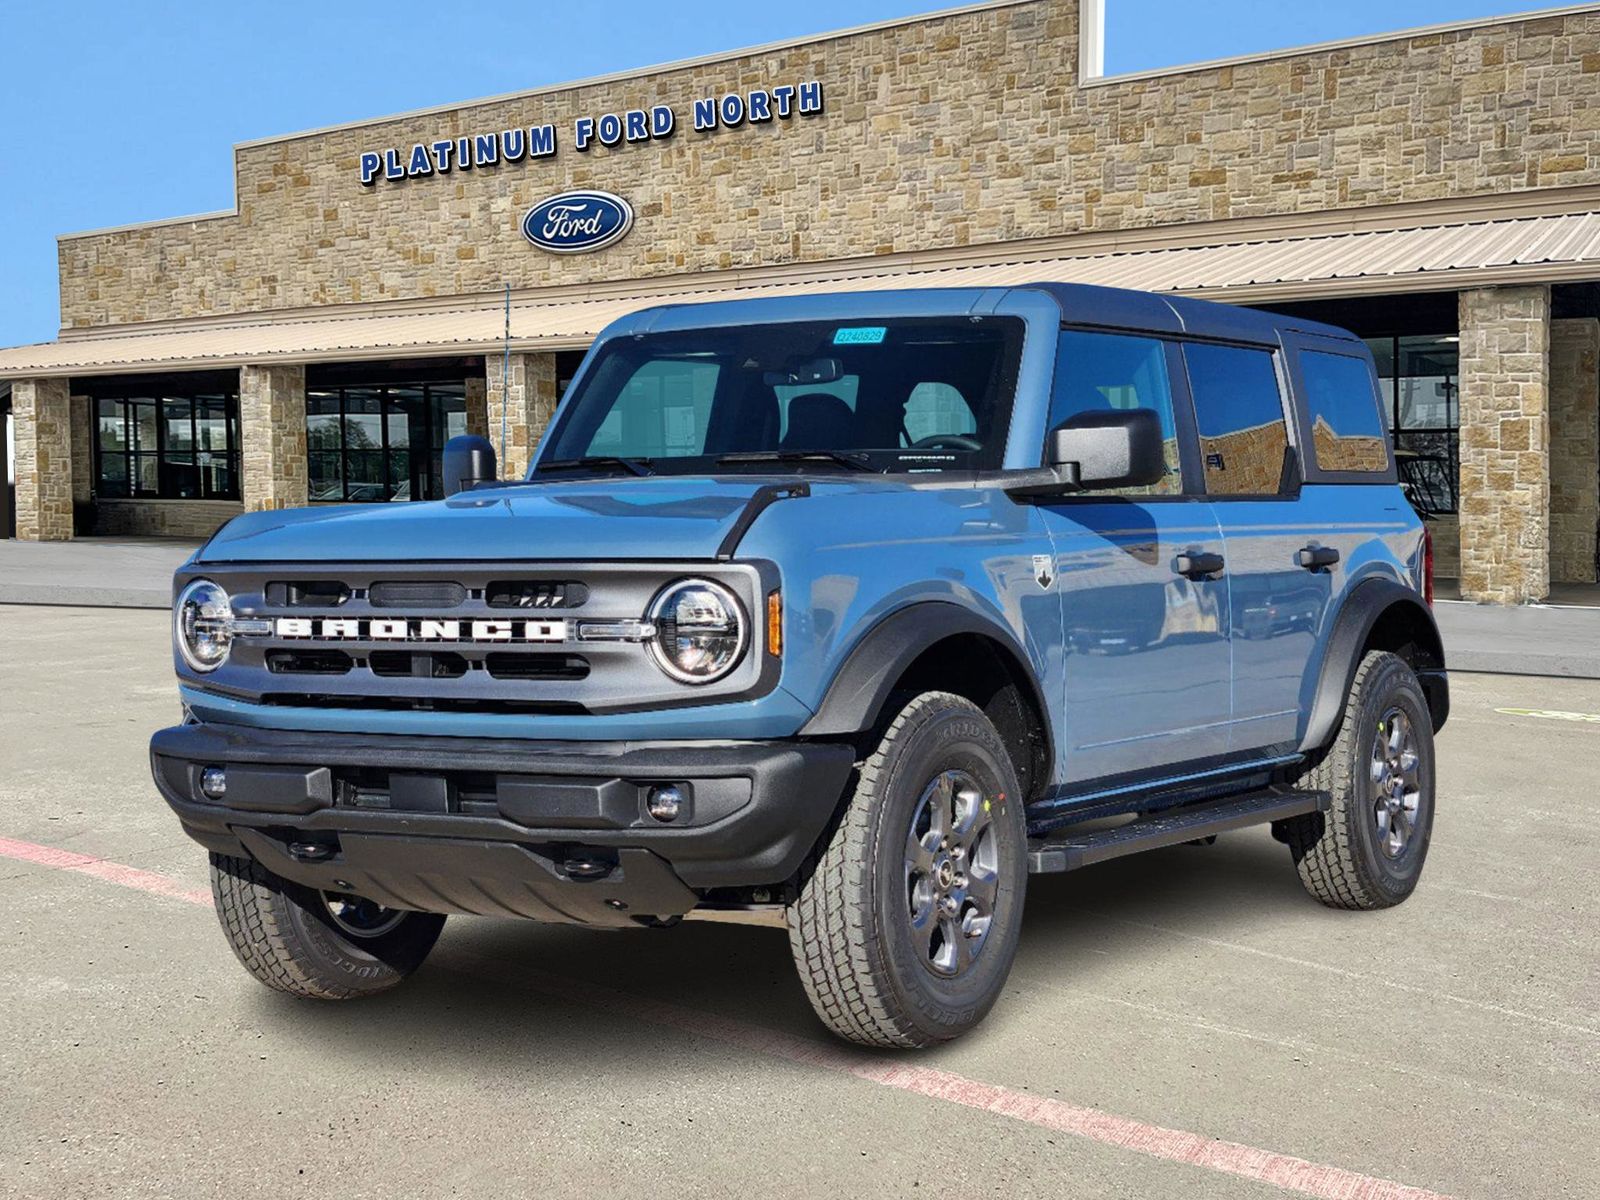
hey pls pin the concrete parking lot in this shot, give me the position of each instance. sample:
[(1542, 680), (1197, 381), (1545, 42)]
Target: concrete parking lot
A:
[(1183, 1024)]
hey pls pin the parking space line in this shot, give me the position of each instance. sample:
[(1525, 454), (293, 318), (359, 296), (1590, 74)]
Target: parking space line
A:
[(100, 868), (1284, 1171)]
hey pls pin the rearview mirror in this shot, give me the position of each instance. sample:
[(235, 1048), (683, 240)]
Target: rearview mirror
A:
[(468, 461), (806, 373), (1111, 449)]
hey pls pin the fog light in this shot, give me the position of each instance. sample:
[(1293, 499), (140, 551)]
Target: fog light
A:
[(666, 802), (214, 783)]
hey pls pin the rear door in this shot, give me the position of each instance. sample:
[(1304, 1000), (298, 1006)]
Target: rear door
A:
[(1146, 658), (1277, 606)]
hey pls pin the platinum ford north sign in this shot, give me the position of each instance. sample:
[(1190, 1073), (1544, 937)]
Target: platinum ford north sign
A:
[(492, 148)]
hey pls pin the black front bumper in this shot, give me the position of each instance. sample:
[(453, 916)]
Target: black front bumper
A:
[(552, 830)]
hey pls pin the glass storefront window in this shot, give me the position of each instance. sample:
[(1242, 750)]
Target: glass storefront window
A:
[(1420, 378), (382, 442), (175, 445)]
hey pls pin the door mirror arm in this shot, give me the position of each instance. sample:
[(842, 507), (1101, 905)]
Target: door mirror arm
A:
[(1042, 482)]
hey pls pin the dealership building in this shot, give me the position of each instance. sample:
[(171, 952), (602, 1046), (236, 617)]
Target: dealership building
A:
[(380, 286)]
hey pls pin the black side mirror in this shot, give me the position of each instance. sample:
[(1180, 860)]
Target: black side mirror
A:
[(468, 461), (1111, 449)]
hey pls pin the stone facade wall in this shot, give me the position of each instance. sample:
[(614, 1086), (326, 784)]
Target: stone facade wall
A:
[(478, 405), (1505, 444), (274, 468), (163, 518), (42, 430), (955, 130), (533, 399), (1574, 449)]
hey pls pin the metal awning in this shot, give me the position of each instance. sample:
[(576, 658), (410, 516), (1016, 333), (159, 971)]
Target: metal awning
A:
[(1436, 257)]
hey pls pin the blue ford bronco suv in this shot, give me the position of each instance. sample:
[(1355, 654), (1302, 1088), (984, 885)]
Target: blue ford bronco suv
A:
[(862, 608)]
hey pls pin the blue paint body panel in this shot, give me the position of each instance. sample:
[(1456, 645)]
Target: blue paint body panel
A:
[(1139, 668)]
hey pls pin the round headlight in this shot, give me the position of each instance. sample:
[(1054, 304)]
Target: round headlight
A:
[(700, 630), (203, 625)]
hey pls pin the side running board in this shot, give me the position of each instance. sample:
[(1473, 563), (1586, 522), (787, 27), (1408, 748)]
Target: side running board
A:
[(1067, 849)]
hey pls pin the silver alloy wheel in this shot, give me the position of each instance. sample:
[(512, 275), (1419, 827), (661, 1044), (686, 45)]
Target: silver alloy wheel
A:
[(952, 872), (1396, 782), (360, 917)]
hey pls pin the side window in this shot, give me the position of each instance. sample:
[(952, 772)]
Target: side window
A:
[(935, 409), (1346, 426), (1102, 372), (1239, 409), (663, 409)]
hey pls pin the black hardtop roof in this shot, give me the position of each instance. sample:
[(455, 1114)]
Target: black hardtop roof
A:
[(1087, 304)]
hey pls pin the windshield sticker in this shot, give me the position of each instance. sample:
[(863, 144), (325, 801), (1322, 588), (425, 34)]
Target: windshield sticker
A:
[(864, 335)]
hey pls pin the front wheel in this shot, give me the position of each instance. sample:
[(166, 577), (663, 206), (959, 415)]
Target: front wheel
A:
[(323, 945), (906, 930), (1367, 851)]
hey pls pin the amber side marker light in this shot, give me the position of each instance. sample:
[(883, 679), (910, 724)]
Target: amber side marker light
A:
[(774, 623)]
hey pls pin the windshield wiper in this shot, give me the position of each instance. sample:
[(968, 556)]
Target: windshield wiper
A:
[(636, 466), (856, 462)]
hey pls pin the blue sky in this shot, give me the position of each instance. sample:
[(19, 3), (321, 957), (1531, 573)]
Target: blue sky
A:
[(115, 112)]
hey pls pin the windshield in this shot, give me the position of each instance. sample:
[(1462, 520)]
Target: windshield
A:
[(884, 395)]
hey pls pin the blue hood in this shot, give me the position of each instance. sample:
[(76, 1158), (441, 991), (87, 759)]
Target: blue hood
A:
[(666, 517)]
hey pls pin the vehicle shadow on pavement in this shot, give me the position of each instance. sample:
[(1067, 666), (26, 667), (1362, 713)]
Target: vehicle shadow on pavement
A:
[(499, 995)]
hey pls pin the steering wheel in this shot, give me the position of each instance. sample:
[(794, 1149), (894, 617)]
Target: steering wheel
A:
[(946, 441)]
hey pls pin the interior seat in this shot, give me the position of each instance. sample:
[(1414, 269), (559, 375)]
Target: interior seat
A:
[(819, 421)]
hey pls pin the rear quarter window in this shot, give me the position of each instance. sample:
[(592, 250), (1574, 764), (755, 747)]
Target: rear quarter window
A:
[(1347, 431)]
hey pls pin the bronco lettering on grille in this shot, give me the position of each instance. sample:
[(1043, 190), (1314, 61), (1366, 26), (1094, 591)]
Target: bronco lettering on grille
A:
[(419, 629)]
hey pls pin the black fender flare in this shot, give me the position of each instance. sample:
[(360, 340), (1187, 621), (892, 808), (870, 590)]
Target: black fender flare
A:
[(1364, 606), (856, 696)]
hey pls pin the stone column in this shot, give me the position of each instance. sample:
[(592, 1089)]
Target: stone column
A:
[(42, 426), (1574, 449), (83, 475), (1505, 444), (478, 405), (532, 392), (272, 436)]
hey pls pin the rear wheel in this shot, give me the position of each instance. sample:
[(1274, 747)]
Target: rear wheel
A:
[(1368, 850), (906, 930), (324, 945)]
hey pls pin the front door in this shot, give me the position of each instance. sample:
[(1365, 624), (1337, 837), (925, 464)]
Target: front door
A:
[(1146, 665)]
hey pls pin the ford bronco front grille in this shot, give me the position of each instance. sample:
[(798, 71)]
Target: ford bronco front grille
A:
[(465, 637)]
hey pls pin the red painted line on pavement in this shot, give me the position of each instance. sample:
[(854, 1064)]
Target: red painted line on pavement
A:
[(1124, 1133), (1281, 1170), (100, 868)]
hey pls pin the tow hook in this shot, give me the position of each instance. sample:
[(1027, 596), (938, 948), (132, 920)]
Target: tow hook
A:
[(588, 867)]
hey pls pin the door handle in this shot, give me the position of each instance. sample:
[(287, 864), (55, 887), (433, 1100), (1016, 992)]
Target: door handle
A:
[(1315, 558), (1199, 566)]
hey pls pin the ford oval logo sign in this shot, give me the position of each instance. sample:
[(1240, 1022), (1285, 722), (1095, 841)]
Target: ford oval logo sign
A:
[(578, 222)]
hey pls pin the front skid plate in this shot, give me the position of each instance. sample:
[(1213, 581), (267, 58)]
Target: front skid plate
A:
[(446, 875)]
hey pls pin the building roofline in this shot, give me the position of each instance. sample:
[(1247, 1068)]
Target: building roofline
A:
[(622, 76), (1366, 39), (832, 35), (636, 73)]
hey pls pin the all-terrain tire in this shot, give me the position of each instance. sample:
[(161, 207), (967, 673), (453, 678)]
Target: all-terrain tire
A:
[(286, 937), (1341, 854), (874, 976)]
